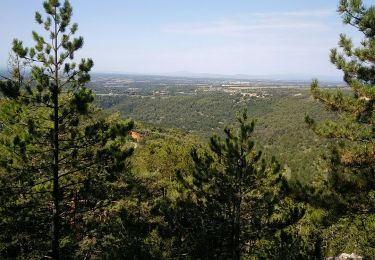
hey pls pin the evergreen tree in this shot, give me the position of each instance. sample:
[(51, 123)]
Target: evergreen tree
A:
[(60, 154), (352, 161), (349, 190), (240, 198)]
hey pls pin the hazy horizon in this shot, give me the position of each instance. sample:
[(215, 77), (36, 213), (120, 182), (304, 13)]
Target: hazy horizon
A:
[(221, 38), (203, 75)]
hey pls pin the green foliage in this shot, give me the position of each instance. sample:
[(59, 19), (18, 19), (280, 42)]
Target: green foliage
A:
[(242, 199), (352, 158), (66, 175), (280, 130), (351, 234), (348, 192), (62, 158), (144, 221)]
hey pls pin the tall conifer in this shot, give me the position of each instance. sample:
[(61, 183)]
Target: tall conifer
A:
[(349, 191), (352, 161), (56, 142), (242, 197)]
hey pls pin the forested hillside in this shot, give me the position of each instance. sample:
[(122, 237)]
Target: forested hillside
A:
[(198, 171), (279, 112)]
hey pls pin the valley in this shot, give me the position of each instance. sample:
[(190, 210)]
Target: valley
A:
[(203, 107)]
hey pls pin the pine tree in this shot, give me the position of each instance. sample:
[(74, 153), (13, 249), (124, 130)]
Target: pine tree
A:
[(352, 161), (349, 192), (241, 199), (60, 153)]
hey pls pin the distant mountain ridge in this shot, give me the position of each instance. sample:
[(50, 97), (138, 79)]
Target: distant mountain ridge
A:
[(273, 77), (297, 77), (187, 74), (273, 80)]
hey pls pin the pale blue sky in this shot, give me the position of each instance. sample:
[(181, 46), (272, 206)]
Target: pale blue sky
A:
[(290, 37)]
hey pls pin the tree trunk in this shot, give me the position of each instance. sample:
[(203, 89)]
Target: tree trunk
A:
[(236, 252), (56, 190)]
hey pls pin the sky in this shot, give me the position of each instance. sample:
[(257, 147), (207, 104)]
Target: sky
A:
[(268, 37)]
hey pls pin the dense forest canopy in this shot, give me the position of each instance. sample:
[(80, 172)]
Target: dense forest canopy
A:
[(205, 171)]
